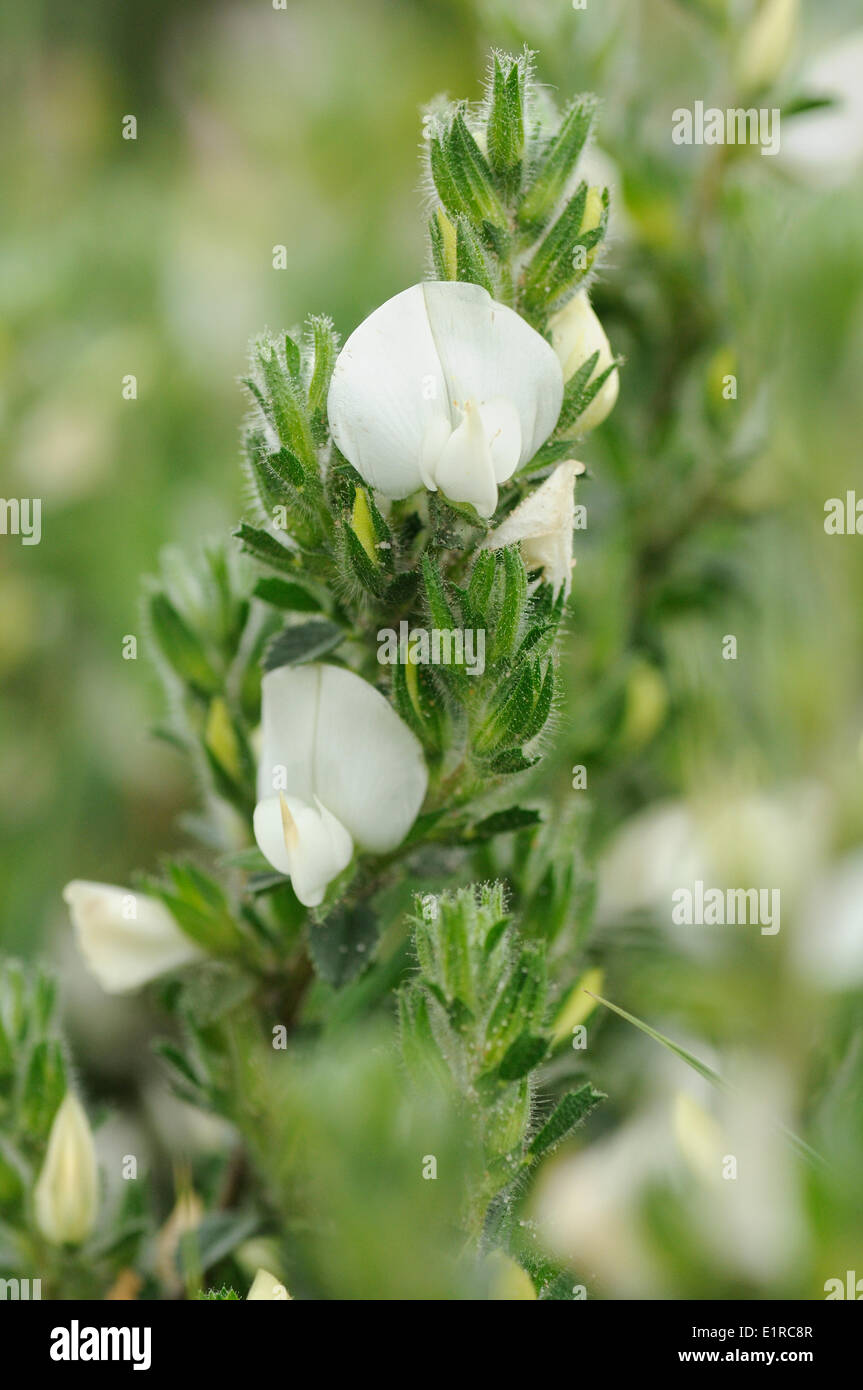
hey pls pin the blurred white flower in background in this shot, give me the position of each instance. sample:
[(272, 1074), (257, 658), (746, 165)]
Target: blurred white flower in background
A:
[(126, 938), (590, 1205), (824, 146), (828, 948)]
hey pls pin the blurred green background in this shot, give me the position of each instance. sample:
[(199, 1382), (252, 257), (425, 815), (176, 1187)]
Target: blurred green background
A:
[(153, 257)]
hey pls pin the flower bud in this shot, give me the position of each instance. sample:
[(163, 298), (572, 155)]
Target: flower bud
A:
[(266, 1288), (66, 1194), (576, 334), (509, 1283), (766, 44)]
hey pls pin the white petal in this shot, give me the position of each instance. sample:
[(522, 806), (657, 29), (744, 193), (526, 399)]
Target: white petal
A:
[(488, 352), (339, 740), (403, 378), (126, 939), (503, 432), (387, 391), (542, 524), (289, 716), (464, 471), (369, 766), (306, 842)]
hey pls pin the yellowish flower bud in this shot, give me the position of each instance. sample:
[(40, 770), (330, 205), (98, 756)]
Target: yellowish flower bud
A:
[(766, 44), (363, 526), (221, 738), (448, 234), (576, 334), (509, 1282), (67, 1192), (266, 1288)]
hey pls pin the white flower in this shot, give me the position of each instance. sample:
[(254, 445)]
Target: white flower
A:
[(66, 1195), (126, 938), (443, 387), (542, 525), (267, 1288), (338, 768), (576, 334), (828, 945), (824, 146)]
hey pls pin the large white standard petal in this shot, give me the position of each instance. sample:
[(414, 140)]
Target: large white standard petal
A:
[(542, 525), (444, 387), (338, 759), (126, 938)]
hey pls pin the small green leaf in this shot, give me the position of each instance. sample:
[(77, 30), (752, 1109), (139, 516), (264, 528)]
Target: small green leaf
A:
[(305, 642), (553, 174), (522, 1056), (281, 593), (264, 546), (506, 122), (514, 818), (565, 1118), (471, 261), (342, 946), (181, 647)]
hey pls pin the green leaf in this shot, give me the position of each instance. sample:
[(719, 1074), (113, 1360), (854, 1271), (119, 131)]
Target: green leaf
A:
[(286, 408), (481, 581), (219, 1233), (213, 992), (305, 642), (342, 946), (511, 762), (506, 122), (522, 1056), (471, 261), (281, 593), (565, 1118), (264, 546), (182, 1074), (326, 345), (181, 647), (293, 360), (514, 818), (512, 607), (576, 401), (553, 174), (440, 611)]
